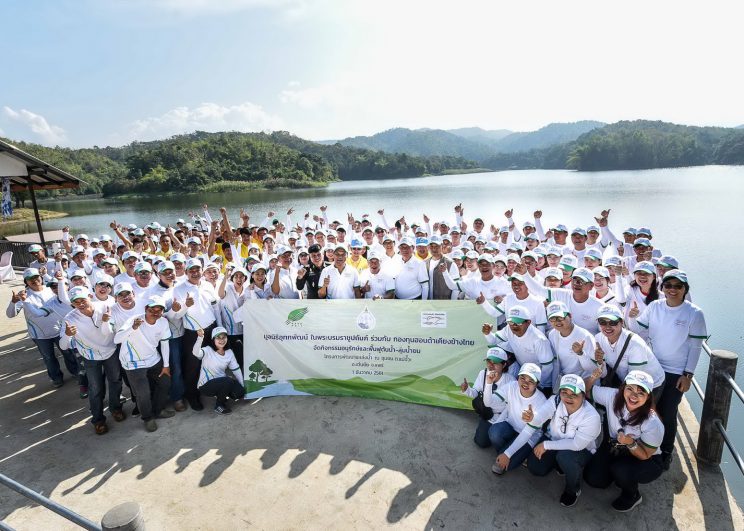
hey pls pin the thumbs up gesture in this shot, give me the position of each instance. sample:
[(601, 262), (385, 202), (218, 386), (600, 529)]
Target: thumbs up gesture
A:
[(136, 323), (464, 385), (486, 329), (599, 355), (70, 330), (176, 306), (189, 300), (481, 298), (578, 347), (528, 414), (106, 315), (442, 267), (634, 311)]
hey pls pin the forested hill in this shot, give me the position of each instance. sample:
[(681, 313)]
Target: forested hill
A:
[(639, 144), (230, 161)]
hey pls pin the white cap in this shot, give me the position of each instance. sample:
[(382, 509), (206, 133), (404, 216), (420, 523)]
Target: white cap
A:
[(155, 300), (496, 354), (601, 271), (142, 266), (79, 292), (105, 279), (676, 273), (557, 309), (34, 248), (532, 370), (129, 254), (594, 254), (613, 260), (217, 331), (487, 257), (122, 286), (30, 273), (584, 274), (640, 378), (194, 239), (193, 262), (166, 265), (81, 237), (406, 241), (569, 260), (257, 267), (518, 314), (553, 272), (573, 382), (666, 261), (645, 267), (77, 249), (472, 255), (609, 311)]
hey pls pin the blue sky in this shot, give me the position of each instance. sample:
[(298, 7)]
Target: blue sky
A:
[(83, 73)]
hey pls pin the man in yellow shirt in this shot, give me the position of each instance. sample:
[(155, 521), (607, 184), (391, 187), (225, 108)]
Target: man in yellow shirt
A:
[(356, 260)]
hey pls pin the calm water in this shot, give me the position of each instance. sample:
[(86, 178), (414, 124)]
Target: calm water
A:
[(695, 214)]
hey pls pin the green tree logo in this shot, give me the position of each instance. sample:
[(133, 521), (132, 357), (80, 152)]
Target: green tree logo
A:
[(258, 369), (296, 315)]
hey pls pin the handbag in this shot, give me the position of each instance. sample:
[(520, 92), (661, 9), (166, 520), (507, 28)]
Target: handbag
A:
[(485, 412), (612, 380)]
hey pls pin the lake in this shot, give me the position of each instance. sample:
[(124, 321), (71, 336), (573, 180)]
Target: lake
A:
[(695, 214)]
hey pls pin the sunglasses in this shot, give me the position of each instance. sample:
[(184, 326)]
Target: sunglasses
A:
[(669, 285), (607, 322)]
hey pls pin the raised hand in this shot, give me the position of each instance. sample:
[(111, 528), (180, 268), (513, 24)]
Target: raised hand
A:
[(634, 311), (491, 376), (70, 330), (301, 272), (606, 213), (323, 208), (426, 218), (381, 212), (270, 214), (537, 214), (486, 329), (137, 322), (326, 282), (289, 212), (176, 306), (189, 300), (442, 267), (464, 385), (480, 299), (106, 315), (599, 355), (508, 213), (200, 332), (528, 414), (578, 347)]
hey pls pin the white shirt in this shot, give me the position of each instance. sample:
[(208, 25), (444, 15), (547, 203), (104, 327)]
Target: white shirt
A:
[(203, 312), (675, 334), (491, 398), (94, 339), (380, 283), (342, 282), (534, 304), (637, 357), (139, 347), (512, 413), (568, 361), (229, 306), (473, 285), (532, 347), (411, 278), (575, 432), (287, 284), (651, 431), (41, 324), (214, 365)]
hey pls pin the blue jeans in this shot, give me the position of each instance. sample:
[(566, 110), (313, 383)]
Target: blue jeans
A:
[(46, 347), (97, 370), (176, 388), (502, 435), (570, 462)]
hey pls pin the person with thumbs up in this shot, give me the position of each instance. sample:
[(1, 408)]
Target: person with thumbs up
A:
[(89, 330), (573, 345), (484, 392), (522, 400)]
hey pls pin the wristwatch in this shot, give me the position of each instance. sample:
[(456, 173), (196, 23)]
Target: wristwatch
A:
[(687, 375)]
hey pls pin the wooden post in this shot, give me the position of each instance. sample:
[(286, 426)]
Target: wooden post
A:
[(36, 213), (716, 406)]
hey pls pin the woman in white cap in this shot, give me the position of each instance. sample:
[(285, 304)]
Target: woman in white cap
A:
[(571, 438), (675, 328), (259, 288), (486, 384), (521, 397), (630, 455), (641, 292), (620, 351), (232, 296), (573, 346), (602, 289), (216, 359)]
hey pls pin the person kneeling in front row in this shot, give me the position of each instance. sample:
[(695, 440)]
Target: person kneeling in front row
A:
[(216, 360), (571, 438), (631, 454)]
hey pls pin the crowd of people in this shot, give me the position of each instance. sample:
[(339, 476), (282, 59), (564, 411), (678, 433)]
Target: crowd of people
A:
[(593, 342)]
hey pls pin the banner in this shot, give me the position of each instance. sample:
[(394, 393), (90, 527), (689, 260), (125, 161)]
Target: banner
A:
[(410, 351)]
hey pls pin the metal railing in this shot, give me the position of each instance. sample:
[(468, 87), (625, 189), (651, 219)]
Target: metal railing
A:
[(716, 406)]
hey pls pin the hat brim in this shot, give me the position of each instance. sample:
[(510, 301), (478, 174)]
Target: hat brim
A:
[(516, 320), (494, 359), (610, 316), (573, 388)]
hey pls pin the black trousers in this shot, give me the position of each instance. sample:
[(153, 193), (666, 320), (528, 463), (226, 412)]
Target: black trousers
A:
[(236, 344), (150, 389), (667, 407), (626, 471), (190, 364), (223, 388)]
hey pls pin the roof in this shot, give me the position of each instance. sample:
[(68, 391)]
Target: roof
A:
[(49, 236), (43, 176)]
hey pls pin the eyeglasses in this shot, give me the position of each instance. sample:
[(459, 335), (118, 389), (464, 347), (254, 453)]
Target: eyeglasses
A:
[(557, 319), (104, 285), (668, 285), (145, 273), (607, 322)]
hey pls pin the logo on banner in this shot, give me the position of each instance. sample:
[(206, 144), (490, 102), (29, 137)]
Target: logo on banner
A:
[(433, 319), (295, 316), (365, 320)]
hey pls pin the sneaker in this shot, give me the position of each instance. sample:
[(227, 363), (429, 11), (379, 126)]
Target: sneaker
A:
[(135, 411), (118, 415), (58, 383), (496, 468), (569, 499), (666, 460), (166, 414), (83, 391), (222, 410), (179, 405), (624, 503), (100, 427), (151, 425)]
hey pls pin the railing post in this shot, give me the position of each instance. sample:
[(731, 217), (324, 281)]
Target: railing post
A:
[(124, 517), (716, 406)]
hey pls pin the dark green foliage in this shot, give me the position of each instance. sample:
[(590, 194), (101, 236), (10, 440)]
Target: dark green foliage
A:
[(200, 161)]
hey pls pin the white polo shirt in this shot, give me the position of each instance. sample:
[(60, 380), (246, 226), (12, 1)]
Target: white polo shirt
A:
[(637, 357), (532, 347), (380, 283), (568, 362), (512, 413), (94, 339), (287, 283), (342, 282), (650, 433), (411, 278), (203, 312)]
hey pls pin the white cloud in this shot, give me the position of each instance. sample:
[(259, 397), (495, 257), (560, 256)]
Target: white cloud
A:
[(47, 133), (210, 117)]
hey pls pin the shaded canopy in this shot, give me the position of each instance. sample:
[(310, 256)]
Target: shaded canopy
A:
[(23, 168)]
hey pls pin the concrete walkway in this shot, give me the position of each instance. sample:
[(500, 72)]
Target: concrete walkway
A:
[(303, 463)]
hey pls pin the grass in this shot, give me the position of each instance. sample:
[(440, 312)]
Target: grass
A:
[(440, 391), (24, 215)]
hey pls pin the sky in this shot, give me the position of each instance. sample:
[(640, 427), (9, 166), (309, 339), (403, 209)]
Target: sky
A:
[(80, 73)]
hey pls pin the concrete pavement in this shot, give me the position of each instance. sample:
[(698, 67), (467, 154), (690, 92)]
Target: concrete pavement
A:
[(302, 463)]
